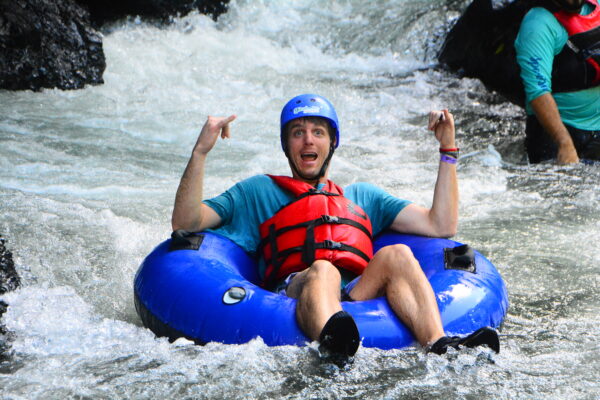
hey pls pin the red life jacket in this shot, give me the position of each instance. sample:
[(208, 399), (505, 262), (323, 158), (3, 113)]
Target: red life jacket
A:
[(577, 66), (316, 225)]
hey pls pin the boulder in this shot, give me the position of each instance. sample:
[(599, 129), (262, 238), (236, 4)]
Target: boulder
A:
[(103, 11), (54, 43), (48, 44), (481, 45), (9, 279)]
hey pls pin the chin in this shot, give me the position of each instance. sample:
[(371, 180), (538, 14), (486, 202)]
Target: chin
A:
[(312, 177)]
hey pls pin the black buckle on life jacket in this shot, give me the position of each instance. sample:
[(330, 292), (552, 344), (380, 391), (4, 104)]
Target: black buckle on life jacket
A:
[(185, 240), (330, 219), (330, 244), (461, 258), (316, 191)]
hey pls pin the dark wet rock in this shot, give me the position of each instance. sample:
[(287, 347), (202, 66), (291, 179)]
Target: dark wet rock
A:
[(3, 308), (9, 280), (4, 334), (54, 43), (103, 11), (6, 337), (481, 45), (48, 44)]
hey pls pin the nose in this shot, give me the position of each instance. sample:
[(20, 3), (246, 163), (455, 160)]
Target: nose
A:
[(309, 137)]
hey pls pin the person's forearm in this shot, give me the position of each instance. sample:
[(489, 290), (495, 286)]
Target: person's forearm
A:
[(444, 210), (546, 111), (187, 212)]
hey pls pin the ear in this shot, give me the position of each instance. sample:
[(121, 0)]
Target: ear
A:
[(333, 137), (285, 136)]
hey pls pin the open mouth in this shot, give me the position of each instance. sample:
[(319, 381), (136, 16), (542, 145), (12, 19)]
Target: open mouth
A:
[(308, 156)]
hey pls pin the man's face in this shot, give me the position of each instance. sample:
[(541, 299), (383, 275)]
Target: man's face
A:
[(308, 144)]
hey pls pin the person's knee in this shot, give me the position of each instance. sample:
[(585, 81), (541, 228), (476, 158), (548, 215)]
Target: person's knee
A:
[(399, 259), (323, 270), (321, 275), (398, 252)]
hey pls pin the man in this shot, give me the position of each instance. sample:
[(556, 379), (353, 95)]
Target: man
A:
[(558, 52), (314, 237)]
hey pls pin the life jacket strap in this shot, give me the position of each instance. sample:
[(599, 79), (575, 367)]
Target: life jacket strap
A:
[(276, 261), (323, 220), (326, 244), (313, 192)]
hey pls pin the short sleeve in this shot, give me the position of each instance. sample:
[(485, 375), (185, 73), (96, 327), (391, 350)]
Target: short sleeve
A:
[(381, 207), (224, 203), (540, 38), (246, 205)]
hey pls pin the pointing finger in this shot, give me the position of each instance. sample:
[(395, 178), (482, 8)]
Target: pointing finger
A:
[(224, 121), (224, 125)]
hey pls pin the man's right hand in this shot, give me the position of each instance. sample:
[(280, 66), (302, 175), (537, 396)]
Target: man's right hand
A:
[(567, 154), (186, 213), (213, 127), (547, 113)]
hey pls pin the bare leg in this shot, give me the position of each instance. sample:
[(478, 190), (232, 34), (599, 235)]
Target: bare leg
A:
[(395, 272), (318, 292)]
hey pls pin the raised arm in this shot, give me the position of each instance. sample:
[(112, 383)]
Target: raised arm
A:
[(189, 213), (441, 220)]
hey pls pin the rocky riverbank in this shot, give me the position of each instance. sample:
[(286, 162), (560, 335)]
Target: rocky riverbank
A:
[(56, 43)]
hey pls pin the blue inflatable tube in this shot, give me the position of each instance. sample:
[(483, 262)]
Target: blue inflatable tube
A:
[(211, 294)]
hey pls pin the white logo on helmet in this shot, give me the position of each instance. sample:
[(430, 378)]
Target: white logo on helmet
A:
[(307, 109)]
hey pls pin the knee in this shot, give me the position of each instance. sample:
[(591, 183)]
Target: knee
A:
[(323, 270), (398, 258), (397, 252)]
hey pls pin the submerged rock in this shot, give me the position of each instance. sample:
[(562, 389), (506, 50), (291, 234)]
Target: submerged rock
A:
[(9, 280), (481, 45)]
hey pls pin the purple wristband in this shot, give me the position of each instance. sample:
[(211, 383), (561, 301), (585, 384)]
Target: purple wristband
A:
[(448, 159)]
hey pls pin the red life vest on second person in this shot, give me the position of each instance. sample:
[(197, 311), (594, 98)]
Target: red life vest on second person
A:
[(577, 66), (317, 225)]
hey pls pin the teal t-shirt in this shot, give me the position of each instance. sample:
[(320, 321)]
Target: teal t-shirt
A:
[(541, 37), (252, 201)]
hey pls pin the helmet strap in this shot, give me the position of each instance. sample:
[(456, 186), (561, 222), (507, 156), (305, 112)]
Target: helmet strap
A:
[(326, 162)]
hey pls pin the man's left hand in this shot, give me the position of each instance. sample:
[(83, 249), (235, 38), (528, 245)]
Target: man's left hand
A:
[(442, 123)]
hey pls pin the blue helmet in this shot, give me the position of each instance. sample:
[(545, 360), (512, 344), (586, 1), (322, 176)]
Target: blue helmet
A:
[(309, 105)]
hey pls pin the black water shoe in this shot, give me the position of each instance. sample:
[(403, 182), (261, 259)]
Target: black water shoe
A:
[(339, 335), (481, 337)]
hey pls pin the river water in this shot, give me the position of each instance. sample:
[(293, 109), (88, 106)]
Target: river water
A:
[(88, 177)]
